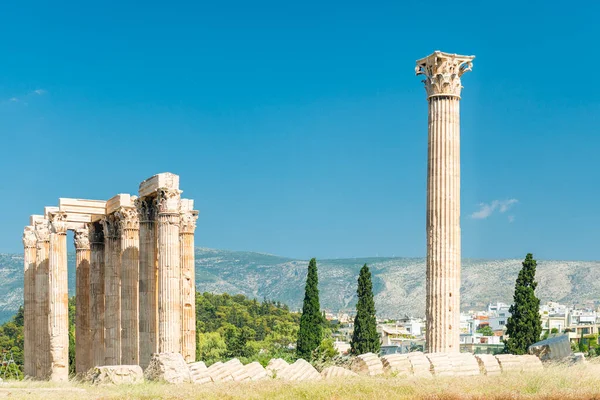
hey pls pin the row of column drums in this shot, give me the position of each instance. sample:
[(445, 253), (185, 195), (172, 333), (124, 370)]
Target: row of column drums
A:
[(135, 290)]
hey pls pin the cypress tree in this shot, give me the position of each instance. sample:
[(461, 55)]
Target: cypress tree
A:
[(311, 321), (365, 338), (524, 326)]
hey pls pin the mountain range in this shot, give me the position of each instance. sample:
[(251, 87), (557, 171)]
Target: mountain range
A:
[(398, 283)]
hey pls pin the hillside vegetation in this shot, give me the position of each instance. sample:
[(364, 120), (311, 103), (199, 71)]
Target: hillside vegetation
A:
[(228, 327), (398, 283)]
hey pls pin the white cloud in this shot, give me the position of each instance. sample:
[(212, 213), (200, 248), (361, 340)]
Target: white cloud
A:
[(511, 218), (24, 98), (487, 209)]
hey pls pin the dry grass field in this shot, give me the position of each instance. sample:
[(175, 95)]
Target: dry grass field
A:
[(556, 382)]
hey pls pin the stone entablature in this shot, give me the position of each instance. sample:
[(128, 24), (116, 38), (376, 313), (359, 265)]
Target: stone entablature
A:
[(118, 243)]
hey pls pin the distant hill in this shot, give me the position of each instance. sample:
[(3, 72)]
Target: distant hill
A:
[(398, 283)]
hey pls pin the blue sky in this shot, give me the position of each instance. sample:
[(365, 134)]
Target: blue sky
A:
[(300, 128)]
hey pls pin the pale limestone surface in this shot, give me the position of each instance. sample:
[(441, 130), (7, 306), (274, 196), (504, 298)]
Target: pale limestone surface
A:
[(367, 364), (116, 375), (275, 366), (188, 218), (442, 72), (168, 367), (58, 323), (488, 364), (255, 371), (421, 367), (464, 364), (397, 364), (199, 373), (335, 371), (219, 372), (515, 363), (301, 370)]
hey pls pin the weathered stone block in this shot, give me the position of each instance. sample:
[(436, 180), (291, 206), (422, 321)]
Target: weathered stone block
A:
[(199, 373), (464, 364), (367, 364), (165, 180), (219, 372), (397, 364), (276, 365), (335, 371), (421, 366), (488, 364), (255, 371), (167, 367), (116, 375), (301, 370), (440, 364)]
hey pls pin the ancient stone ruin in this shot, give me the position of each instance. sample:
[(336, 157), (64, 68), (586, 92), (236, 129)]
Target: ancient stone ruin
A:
[(442, 73), (134, 280)]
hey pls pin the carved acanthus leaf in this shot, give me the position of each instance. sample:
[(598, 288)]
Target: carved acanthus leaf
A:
[(58, 222), (188, 221), (169, 200), (96, 232), (146, 208), (111, 226), (82, 239), (42, 231), (442, 73), (128, 218), (29, 238)]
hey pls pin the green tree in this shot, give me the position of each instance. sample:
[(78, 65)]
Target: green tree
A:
[(486, 331), (310, 334), (365, 338), (524, 326)]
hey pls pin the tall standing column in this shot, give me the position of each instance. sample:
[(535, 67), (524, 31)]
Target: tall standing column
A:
[(83, 343), (97, 293), (169, 271), (130, 261), (148, 283), (59, 299), (442, 73), (188, 286), (29, 294), (42, 308), (112, 291)]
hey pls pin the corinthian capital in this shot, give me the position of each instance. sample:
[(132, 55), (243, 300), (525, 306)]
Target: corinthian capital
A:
[(110, 226), (29, 239), (187, 222), (96, 232), (42, 230), (146, 208), (128, 218), (58, 222), (82, 239), (168, 200), (442, 73)]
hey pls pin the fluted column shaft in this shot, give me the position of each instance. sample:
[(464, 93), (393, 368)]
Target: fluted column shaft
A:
[(442, 72), (42, 308), (443, 226), (130, 260), (188, 286), (169, 272), (97, 293), (112, 291), (148, 282), (29, 295), (83, 342), (59, 299)]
